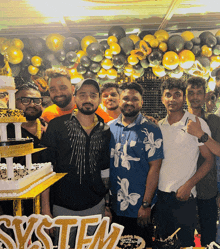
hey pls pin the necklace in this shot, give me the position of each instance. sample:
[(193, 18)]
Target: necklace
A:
[(90, 126)]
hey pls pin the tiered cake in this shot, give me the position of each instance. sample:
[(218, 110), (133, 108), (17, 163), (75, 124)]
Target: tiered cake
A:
[(16, 179)]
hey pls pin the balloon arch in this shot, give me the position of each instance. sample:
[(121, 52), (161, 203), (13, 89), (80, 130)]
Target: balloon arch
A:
[(119, 55)]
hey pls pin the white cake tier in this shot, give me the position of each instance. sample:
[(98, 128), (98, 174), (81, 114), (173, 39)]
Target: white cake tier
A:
[(23, 180), (7, 82)]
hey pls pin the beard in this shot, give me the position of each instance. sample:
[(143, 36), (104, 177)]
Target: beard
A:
[(112, 108), (130, 113), (32, 117), (86, 111), (63, 103)]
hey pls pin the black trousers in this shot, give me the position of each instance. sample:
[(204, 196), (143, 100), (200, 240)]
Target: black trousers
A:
[(131, 228), (170, 214)]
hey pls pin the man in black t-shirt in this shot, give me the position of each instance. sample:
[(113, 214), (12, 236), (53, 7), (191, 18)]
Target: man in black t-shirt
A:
[(78, 144)]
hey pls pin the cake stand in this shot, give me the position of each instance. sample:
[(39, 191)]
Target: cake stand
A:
[(34, 194)]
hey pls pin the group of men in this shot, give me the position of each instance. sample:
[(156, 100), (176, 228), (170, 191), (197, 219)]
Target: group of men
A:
[(162, 171)]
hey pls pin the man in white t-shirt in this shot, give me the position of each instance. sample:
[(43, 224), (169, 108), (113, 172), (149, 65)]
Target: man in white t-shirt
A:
[(176, 206)]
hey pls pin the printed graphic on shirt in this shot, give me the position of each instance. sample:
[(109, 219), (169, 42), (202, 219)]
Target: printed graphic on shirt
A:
[(124, 197)]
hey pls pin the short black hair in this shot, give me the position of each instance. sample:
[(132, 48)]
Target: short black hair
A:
[(171, 83), (108, 85), (197, 82), (27, 86), (134, 86)]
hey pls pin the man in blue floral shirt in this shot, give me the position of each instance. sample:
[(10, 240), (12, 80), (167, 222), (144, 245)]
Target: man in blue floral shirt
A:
[(136, 155)]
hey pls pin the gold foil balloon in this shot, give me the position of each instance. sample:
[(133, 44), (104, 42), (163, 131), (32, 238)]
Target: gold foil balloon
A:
[(163, 46), (111, 39), (170, 60), (107, 64), (18, 43), (134, 38), (5, 45), (86, 41), (217, 33), (148, 38), (15, 55), (112, 73), (33, 70), (115, 48), (108, 53), (36, 61), (162, 35), (55, 42), (132, 60), (206, 51), (154, 43), (102, 73), (159, 71), (186, 59), (187, 35)]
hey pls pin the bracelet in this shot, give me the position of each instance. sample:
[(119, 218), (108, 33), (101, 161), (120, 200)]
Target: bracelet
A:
[(107, 204)]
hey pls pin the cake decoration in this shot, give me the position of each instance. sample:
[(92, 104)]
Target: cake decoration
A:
[(131, 241)]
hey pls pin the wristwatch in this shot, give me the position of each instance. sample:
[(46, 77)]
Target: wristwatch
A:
[(146, 204), (204, 138)]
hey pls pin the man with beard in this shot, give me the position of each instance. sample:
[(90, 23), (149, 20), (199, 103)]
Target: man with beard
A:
[(110, 99), (61, 92), (78, 144), (136, 154)]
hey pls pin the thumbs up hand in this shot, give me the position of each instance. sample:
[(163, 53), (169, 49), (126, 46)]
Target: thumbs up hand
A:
[(194, 128)]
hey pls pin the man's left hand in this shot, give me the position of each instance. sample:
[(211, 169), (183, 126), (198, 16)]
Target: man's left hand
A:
[(183, 193), (194, 128), (144, 215)]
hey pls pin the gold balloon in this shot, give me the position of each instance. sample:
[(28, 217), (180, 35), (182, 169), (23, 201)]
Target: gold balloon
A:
[(107, 64), (108, 53), (159, 71), (133, 60), (186, 59), (102, 73), (36, 61), (217, 33), (86, 41), (55, 42), (18, 43), (112, 73), (134, 38), (154, 43), (163, 46), (111, 39), (148, 38), (115, 48), (15, 55), (206, 51), (170, 60), (5, 45), (2, 40), (33, 70), (187, 35), (162, 33)]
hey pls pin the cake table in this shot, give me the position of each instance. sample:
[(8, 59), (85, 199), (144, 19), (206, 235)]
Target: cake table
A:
[(34, 194)]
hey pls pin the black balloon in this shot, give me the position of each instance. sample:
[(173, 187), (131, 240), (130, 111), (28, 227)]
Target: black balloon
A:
[(85, 61), (120, 70), (138, 68), (95, 52), (126, 45), (196, 50), (196, 40), (89, 75), (119, 60), (67, 63), (95, 67), (218, 39), (37, 46), (50, 57), (26, 58), (216, 49), (60, 55), (24, 74), (155, 57), (105, 44), (204, 61), (144, 63), (137, 45), (71, 56), (188, 45), (175, 43), (15, 68), (210, 41), (2, 61), (81, 69), (117, 31), (71, 44), (204, 35)]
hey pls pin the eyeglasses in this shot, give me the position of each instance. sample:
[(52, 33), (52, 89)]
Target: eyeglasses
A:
[(3, 94), (27, 100)]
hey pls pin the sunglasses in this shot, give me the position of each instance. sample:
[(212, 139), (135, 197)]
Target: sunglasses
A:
[(27, 100)]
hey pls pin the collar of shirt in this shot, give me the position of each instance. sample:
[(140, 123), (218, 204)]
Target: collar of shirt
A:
[(137, 121)]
